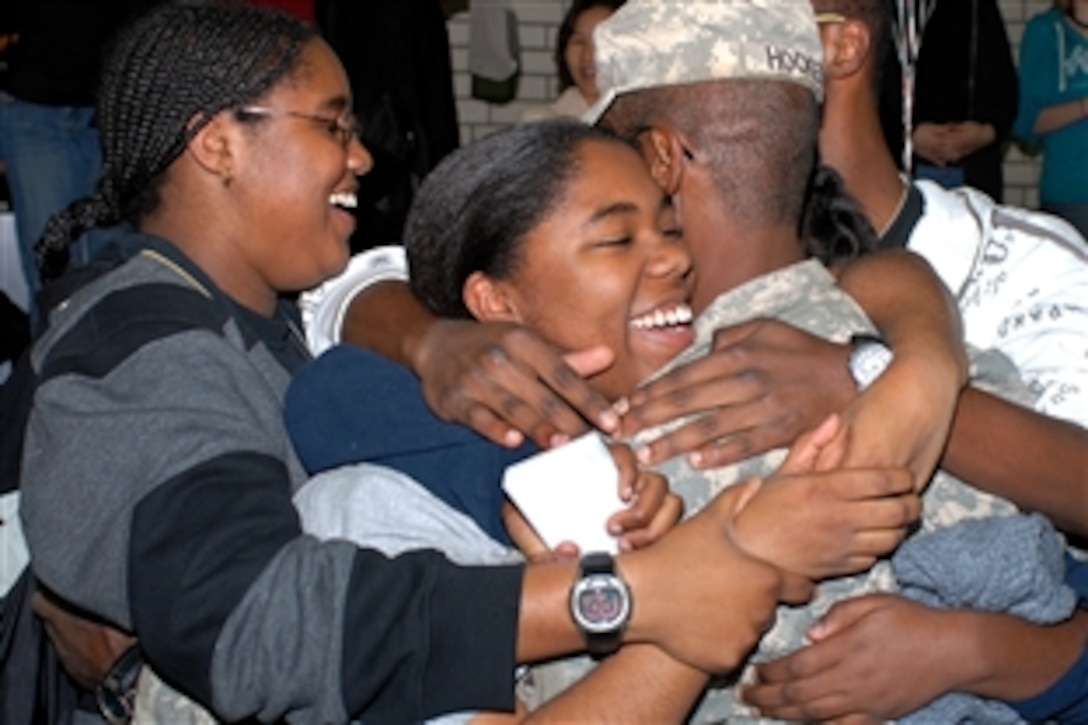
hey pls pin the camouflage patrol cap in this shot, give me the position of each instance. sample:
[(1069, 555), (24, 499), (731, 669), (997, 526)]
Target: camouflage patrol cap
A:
[(653, 43)]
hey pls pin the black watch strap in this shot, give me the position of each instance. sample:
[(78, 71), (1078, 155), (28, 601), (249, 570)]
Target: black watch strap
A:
[(598, 562), (116, 693)]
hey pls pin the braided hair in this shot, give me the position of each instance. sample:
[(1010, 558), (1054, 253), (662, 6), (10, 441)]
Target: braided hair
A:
[(166, 77)]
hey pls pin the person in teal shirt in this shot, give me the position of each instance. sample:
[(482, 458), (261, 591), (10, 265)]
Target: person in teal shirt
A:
[(1054, 106)]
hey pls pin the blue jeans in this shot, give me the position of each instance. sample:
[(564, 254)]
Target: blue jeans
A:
[(52, 157), (1075, 214), (947, 176)]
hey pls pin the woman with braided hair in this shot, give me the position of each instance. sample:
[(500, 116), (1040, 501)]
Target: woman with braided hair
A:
[(157, 474)]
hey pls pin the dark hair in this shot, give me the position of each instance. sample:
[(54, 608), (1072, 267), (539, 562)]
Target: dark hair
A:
[(166, 77), (566, 31), (472, 212), (833, 226)]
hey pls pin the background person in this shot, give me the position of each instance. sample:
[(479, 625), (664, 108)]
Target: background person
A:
[(1054, 106), (964, 97), (574, 61)]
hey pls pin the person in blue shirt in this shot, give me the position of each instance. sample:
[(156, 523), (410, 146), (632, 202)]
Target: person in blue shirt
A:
[(1054, 106)]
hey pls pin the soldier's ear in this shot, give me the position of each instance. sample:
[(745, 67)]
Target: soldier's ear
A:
[(664, 151)]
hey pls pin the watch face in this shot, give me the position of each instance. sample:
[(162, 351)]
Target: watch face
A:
[(600, 603), (868, 361), (871, 362)]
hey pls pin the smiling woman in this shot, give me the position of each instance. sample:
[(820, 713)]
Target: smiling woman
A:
[(560, 227), (238, 144), (230, 148), (556, 226)]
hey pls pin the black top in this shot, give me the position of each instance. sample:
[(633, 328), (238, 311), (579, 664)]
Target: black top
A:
[(965, 72), (898, 232)]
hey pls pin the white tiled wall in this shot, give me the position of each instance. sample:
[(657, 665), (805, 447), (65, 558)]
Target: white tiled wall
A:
[(538, 23)]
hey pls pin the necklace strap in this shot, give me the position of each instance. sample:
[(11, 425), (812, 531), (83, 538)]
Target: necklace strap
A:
[(176, 269), (297, 338)]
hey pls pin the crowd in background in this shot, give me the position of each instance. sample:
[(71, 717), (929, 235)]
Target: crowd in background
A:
[(964, 106)]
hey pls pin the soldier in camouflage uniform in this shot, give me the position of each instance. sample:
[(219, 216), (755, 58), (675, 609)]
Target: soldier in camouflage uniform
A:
[(655, 61)]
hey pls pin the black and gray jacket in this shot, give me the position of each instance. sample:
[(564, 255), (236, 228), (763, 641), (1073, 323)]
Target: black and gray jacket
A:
[(157, 481)]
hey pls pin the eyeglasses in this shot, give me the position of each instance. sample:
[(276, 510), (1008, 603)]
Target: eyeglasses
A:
[(343, 128)]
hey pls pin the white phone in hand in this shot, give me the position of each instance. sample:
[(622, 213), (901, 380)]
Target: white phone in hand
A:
[(568, 493)]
